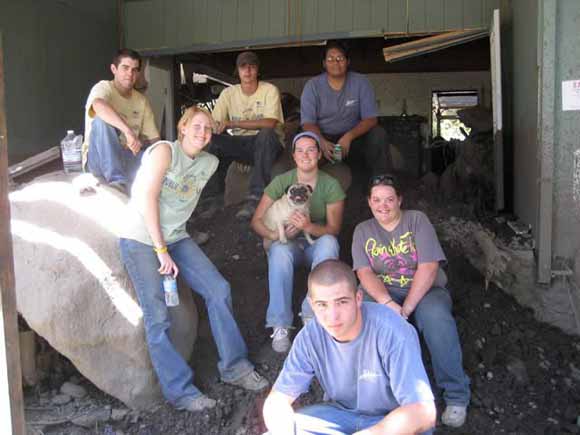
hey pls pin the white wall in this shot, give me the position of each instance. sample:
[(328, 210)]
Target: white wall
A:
[(416, 88)]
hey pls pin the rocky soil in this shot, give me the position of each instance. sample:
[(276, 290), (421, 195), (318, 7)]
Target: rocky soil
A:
[(525, 375)]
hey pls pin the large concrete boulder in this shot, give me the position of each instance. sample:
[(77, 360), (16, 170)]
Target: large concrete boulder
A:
[(73, 290)]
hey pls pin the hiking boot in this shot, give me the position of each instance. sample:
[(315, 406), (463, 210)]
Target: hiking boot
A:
[(280, 340), (199, 404), (454, 415), (247, 210), (253, 381), (199, 237)]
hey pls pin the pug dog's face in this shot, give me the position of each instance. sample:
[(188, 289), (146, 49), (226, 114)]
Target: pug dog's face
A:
[(299, 194)]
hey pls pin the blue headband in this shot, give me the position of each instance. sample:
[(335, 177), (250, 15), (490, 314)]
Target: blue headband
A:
[(309, 134)]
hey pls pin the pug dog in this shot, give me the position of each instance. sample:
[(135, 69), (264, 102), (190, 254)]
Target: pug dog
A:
[(297, 198)]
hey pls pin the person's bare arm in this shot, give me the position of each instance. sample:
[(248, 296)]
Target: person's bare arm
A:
[(376, 289), (254, 124), (278, 413), (104, 111), (413, 418), (334, 213), (156, 167), (257, 222), (423, 280), (358, 130)]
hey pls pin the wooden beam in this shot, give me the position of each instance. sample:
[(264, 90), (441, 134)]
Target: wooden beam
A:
[(11, 399), (34, 162)]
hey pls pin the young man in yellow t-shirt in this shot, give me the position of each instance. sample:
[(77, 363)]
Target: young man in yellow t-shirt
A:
[(119, 122), (252, 113)]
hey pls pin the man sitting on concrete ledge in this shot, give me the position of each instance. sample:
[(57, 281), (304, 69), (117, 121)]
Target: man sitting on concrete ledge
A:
[(119, 122)]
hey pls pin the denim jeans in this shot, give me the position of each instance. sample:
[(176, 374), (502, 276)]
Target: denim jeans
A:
[(175, 375), (433, 319), (282, 259), (259, 151), (329, 419), (372, 148), (107, 158)]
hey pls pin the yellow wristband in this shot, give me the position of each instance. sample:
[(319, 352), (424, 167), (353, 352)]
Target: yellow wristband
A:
[(162, 250), (388, 302)]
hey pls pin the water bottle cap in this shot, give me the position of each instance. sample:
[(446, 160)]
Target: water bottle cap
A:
[(70, 132)]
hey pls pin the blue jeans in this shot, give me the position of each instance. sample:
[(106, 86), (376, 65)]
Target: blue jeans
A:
[(175, 375), (107, 158), (329, 419), (282, 259), (259, 151), (433, 319)]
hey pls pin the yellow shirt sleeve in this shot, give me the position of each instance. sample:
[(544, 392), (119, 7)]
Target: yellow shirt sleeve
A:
[(220, 110), (149, 130), (273, 106), (100, 90)]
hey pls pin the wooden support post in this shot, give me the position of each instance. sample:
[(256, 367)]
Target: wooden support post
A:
[(11, 400)]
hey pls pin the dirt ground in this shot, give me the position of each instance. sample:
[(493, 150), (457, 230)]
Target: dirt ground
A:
[(525, 375)]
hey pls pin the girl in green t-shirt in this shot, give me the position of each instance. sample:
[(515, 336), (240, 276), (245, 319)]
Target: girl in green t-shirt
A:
[(324, 222)]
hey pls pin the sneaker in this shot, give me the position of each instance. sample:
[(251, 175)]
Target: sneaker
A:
[(210, 207), (280, 340), (200, 238), (454, 415), (253, 381), (199, 404), (247, 210)]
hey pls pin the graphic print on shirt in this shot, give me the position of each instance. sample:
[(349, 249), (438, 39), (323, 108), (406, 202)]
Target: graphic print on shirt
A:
[(186, 186), (395, 262)]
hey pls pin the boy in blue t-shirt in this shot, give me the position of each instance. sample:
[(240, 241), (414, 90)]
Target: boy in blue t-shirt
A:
[(366, 358)]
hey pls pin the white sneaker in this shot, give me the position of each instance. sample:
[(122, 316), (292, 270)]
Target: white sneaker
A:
[(454, 415), (199, 404), (253, 381), (280, 340)]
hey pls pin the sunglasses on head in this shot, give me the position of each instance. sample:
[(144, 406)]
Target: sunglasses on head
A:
[(383, 180)]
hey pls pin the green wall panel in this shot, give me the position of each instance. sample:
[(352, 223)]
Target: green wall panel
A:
[(362, 15), (54, 52), (453, 10), (174, 26), (417, 15), (396, 16), (435, 18)]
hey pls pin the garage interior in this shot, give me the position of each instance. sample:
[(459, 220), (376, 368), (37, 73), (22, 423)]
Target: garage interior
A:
[(418, 99)]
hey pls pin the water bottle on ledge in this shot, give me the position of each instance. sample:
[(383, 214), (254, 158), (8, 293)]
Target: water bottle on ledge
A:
[(71, 152), (170, 290)]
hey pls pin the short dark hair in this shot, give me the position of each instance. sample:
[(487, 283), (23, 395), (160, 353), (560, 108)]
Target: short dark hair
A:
[(331, 272), (336, 44), (122, 53), (384, 180)]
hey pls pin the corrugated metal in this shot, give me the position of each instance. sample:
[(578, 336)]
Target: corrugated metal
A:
[(175, 26)]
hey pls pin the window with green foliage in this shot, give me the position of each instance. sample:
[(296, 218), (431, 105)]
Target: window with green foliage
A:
[(445, 105)]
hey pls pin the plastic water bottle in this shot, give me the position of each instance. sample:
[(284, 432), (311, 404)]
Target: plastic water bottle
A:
[(336, 153), (71, 152), (170, 290)]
